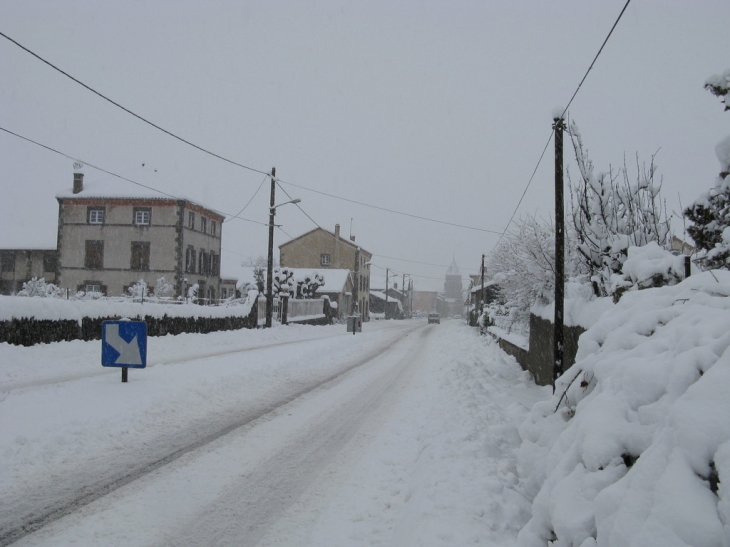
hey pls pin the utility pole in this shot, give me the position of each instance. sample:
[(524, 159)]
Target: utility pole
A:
[(387, 275), (270, 262), (558, 338), (356, 283), (482, 296)]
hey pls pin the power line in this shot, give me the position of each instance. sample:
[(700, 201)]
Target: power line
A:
[(111, 173), (127, 110), (206, 151), (600, 50), (393, 211)]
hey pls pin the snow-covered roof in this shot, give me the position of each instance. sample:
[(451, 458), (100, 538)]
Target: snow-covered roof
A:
[(117, 188), (381, 296), (486, 284)]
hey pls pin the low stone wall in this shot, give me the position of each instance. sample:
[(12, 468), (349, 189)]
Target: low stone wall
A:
[(521, 354), (538, 360), (540, 357)]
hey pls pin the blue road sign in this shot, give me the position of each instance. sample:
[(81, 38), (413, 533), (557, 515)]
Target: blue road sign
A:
[(124, 344)]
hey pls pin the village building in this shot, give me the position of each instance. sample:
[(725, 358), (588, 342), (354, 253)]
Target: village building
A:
[(109, 239), (322, 250)]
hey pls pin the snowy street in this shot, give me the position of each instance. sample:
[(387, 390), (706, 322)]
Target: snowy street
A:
[(402, 435)]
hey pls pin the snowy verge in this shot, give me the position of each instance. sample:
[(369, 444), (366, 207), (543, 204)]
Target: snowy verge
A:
[(638, 449)]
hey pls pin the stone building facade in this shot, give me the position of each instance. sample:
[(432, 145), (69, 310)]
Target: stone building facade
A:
[(20, 265), (323, 250), (108, 241)]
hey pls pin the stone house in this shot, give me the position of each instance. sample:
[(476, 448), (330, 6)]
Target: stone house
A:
[(322, 250), (20, 265), (109, 239)]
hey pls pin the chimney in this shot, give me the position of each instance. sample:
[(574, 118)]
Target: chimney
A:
[(337, 231), (78, 182)]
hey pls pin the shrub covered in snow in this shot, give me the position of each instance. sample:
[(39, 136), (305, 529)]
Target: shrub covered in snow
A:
[(612, 213), (524, 266), (39, 287), (634, 447), (710, 213)]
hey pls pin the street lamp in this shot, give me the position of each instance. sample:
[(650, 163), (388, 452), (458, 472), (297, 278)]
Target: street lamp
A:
[(270, 264), (387, 278)]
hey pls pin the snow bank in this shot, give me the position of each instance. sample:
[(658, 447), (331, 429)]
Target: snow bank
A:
[(640, 445), (580, 307)]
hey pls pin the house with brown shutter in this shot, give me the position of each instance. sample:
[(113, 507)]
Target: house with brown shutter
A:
[(109, 238)]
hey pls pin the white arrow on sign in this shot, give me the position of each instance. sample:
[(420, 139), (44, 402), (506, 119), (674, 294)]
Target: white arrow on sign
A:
[(128, 351)]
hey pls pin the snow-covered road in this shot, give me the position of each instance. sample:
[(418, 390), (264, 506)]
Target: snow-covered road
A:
[(290, 436)]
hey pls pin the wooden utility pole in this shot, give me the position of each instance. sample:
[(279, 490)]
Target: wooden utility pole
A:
[(558, 337), (482, 295), (356, 283), (270, 262)]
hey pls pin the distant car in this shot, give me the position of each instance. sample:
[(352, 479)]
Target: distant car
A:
[(457, 316), (434, 318)]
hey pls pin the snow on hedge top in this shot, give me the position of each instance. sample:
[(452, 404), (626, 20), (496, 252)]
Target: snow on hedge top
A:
[(639, 451), (18, 307)]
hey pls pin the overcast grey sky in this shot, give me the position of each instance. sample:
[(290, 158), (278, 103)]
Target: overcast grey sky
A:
[(435, 109)]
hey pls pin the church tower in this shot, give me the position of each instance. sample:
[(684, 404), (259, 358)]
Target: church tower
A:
[(451, 301)]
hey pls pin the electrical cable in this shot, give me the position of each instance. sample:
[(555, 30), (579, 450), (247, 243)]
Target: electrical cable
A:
[(562, 116), (127, 110), (101, 169), (205, 150)]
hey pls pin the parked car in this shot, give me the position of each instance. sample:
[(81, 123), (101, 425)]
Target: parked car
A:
[(434, 318)]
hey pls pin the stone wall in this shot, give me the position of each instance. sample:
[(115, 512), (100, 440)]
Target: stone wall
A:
[(538, 360)]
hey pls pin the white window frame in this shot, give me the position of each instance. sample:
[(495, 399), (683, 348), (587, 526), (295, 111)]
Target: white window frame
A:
[(142, 217), (324, 259), (96, 216)]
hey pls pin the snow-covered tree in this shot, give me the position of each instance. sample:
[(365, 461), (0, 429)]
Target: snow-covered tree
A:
[(281, 282), (710, 213), (524, 266), (308, 285), (139, 289), (39, 287), (259, 279), (193, 292), (611, 213), (162, 288)]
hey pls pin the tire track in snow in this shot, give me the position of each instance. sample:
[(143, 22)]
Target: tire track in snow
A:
[(12, 532)]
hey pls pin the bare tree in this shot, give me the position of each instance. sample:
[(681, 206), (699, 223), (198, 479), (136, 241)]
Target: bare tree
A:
[(612, 213), (524, 266)]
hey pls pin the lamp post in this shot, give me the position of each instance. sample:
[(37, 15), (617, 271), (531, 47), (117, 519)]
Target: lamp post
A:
[(270, 262), (387, 278)]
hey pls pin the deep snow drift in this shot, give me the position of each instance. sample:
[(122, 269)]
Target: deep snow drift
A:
[(639, 446)]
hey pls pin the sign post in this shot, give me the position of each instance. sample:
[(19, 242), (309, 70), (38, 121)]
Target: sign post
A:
[(124, 345), (354, 323)]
